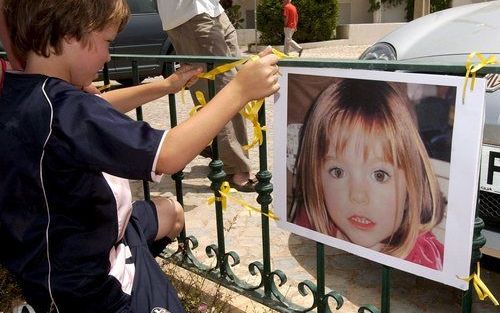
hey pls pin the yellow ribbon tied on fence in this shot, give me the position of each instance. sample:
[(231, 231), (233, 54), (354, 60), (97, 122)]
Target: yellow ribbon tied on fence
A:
[(225, 194), (473, 68), (251, 109), (229, 66), (224, 191), (226, 67), (251, 112), (104, 87), (482, 291), (201, 100)]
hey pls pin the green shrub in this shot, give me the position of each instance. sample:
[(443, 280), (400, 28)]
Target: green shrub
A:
[(317, 20), (234, 15), (270, 21), (436, 5)]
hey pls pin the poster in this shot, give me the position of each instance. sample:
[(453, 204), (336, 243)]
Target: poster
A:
[(384, 165)]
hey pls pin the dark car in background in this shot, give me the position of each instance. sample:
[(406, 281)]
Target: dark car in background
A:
[(143, 35)]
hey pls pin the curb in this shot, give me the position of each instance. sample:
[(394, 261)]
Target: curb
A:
[(306, 45)]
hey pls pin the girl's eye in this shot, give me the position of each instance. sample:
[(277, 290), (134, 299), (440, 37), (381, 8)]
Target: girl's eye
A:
[(381, 176), (337, 172)]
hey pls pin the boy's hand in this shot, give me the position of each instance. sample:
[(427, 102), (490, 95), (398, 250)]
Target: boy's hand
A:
[(91, 89), (259, 79), (184, 76)]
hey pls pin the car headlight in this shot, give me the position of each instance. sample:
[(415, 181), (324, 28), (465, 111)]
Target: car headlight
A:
[(379, 51)]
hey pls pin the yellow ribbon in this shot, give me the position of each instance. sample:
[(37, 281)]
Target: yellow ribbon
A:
[(201, 100), (280, 54), (224, 191), (482, 291), (104, 87), (251, 109), (221, 69), (183, 95), (225, 194), (473, 68), (251, 112)]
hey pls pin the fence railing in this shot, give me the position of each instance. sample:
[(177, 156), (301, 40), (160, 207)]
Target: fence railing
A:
[(266, 291)]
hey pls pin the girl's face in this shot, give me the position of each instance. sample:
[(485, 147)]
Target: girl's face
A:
[(364, 193)]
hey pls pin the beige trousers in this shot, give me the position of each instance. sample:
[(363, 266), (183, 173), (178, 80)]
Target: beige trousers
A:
[(289, 42), (215, 36)]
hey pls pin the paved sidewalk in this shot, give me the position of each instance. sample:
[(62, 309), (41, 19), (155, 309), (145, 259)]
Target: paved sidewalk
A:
[(356, 279)]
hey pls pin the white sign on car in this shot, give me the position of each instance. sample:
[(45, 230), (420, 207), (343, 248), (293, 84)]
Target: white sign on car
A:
[(490, 169)]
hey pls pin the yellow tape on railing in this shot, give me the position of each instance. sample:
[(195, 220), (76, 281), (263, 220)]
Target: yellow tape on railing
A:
[(104, 88), (251, 112), (482, 291), (280, 54), (251, 109), (473, 68), (224, 191), (225, 194), (183, 95), (221, 69), (201, 100)]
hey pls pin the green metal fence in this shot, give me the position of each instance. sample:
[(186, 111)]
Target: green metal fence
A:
[(267, 290)]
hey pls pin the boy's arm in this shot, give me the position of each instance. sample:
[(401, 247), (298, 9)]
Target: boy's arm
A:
[(127, 99), (255, 80)]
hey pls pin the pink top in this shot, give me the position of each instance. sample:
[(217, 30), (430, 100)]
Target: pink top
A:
[(427, 251), (301, 219)]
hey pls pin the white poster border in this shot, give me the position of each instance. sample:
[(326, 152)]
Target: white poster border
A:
[(463, 180)]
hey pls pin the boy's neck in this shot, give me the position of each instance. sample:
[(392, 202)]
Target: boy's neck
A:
[(53, 66)]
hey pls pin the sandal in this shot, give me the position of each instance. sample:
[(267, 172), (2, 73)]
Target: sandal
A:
[(248, 186)]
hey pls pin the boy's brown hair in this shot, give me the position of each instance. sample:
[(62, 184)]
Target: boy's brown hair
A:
[(41, 25)]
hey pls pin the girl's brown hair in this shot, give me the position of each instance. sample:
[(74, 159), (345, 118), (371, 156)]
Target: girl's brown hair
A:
[(381, 112), (41, 25)]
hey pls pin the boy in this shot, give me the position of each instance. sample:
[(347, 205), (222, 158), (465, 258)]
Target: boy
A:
[(67, 226)]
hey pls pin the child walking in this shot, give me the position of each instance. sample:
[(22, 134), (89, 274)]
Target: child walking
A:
[(363, 174), (68, 228)]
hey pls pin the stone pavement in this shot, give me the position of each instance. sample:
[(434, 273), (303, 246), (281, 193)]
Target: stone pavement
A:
[(356, 279)]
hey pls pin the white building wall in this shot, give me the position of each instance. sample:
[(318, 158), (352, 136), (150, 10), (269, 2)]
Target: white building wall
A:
[(393, 14), (356, 12), (456, 3), (247, 12)]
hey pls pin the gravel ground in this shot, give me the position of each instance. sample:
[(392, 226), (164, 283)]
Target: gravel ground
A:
[(335, 52)]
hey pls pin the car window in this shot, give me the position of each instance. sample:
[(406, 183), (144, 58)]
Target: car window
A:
[(142, 6)]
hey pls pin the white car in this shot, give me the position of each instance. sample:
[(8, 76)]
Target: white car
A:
[(447, 37)]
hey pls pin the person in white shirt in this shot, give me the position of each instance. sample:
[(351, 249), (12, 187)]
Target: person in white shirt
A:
[(200, 27)]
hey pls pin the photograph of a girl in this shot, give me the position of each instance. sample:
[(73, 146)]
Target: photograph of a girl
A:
[(362, 169)]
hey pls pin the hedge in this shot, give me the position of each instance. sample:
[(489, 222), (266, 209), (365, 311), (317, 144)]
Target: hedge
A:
[(317, 20)]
